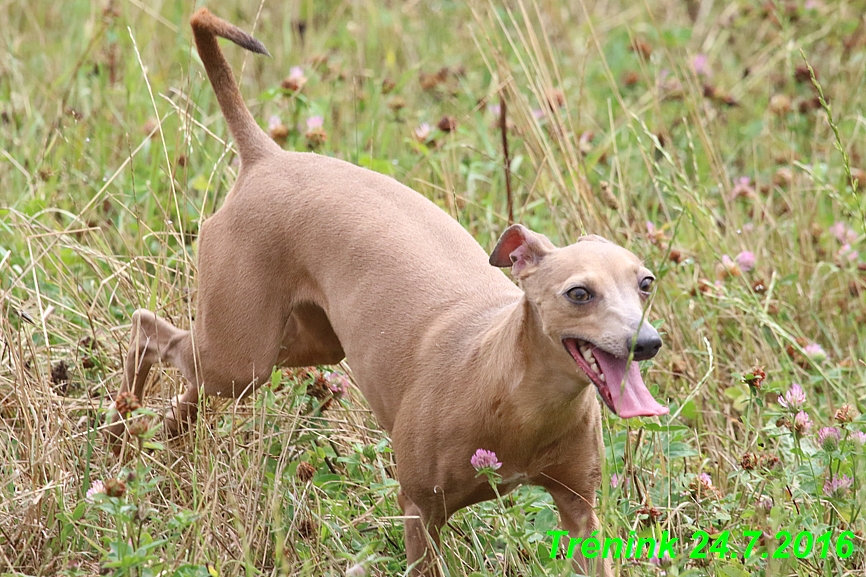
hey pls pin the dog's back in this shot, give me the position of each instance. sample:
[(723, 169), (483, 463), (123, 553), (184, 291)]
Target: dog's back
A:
[(307, 226)]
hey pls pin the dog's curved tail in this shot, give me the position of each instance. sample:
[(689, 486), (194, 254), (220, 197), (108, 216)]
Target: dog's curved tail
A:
[(252, 141)]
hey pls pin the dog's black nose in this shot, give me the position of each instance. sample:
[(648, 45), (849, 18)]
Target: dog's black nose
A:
[(647, 343)]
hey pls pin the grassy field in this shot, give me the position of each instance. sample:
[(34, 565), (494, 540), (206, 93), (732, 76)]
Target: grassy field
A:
[(721, 141)]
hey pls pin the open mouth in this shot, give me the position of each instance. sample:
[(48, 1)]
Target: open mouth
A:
[(619, 383)]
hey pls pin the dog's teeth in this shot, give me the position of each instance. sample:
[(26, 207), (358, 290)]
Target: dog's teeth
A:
[(593, 366), (587, 354), (601, 377)]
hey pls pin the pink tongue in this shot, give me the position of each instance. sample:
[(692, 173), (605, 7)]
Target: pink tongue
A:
[(630, 396)]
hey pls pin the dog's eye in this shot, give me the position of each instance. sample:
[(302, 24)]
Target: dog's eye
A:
[(579, 295), (646, 285)]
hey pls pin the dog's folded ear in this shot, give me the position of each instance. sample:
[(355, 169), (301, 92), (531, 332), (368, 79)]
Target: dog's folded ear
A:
[(521, 249)]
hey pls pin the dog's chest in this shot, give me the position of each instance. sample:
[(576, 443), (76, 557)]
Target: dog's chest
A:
[(513, 481)]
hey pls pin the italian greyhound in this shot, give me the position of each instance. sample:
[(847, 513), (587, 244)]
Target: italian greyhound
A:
[(312, 260)]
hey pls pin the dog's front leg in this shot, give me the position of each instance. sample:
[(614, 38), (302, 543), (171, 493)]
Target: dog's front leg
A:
[(421, 535), (575, 501)]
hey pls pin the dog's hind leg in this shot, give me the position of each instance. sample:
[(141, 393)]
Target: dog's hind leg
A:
[(309, 339), (156, 340)]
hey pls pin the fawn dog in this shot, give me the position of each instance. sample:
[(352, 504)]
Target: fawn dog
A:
[(312, 260)]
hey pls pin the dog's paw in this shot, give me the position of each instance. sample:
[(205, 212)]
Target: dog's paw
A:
[(114, 432), (176, 421), (170, 423)]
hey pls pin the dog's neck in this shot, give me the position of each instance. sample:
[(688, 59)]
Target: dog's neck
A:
[(534, 392), (528, 365)]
